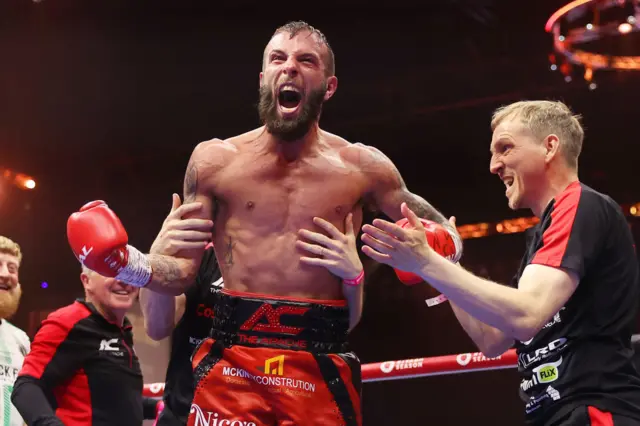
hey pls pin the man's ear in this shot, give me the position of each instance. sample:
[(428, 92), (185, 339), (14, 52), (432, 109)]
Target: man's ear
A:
[(332, 86), (552, 147)]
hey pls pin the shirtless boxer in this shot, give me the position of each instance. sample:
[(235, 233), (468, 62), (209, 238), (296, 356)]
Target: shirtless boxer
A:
[(286, 199)]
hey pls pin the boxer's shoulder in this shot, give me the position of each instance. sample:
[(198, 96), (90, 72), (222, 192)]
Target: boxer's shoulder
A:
[(236, 144), (370, 159), (214, 146), (245, 138), (351, 151), (212, 156)]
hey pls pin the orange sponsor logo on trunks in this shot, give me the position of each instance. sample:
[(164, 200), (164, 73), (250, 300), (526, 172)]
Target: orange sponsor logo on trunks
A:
[(273, 375), (274, 365)]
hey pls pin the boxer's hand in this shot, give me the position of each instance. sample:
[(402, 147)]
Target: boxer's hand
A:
[(403, 248), (179, 234), (338, 254), (99, 241)]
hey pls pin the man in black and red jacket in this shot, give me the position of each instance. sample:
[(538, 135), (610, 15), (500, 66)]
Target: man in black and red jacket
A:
[(573, 303), (82, 369)]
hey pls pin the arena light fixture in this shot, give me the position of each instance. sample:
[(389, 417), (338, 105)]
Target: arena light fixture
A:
[(579, 22), (20, 180), (519, 224)]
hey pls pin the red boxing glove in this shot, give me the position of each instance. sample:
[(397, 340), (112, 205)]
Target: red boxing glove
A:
[(439, 239), (99, 241)]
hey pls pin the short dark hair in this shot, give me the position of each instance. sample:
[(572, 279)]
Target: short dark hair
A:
[(294, 27)]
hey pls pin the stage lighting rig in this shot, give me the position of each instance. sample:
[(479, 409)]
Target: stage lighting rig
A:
[(595, 35)]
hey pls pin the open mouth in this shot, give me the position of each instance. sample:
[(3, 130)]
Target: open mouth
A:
[(121, 292), (508, 182), (5, 287), (289, 98)]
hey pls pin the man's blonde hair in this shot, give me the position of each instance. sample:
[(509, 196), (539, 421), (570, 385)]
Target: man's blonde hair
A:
[(544, 118), (10, 247)]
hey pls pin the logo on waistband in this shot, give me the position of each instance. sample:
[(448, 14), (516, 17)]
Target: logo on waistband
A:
[(272, 316), (266, 319)]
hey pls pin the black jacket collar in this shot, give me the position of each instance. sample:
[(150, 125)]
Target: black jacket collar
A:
[(126, 323)]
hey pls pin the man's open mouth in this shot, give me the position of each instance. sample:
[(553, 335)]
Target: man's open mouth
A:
[(289, 97)]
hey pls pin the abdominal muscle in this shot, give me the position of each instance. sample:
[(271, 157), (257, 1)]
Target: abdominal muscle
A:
[(270, 265)]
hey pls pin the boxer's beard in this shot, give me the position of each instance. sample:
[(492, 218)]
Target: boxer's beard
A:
[(292, 129), (9, 302)]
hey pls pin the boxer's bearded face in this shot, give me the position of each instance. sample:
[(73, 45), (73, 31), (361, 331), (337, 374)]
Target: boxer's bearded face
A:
[(289, 112), (294, 84), (10, 290)]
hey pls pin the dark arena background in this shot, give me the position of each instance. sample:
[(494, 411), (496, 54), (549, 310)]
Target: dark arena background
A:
[(107, 99)]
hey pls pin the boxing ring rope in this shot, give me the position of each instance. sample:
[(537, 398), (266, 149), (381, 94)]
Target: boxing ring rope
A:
[(418, 367), (412, 368), (435, 366)]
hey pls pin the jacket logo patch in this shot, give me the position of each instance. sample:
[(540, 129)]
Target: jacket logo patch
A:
[(109, 345)]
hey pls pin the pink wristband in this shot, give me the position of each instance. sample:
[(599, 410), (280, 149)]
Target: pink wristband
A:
[(356, 281)]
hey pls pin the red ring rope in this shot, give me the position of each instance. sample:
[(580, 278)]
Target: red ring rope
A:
[(412, 368)]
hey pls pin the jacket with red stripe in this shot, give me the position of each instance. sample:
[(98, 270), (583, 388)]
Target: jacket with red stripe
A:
[(583, 355), (81, 370)]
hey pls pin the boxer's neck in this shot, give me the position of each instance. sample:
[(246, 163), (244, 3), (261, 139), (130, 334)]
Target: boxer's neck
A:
[(293, 150)]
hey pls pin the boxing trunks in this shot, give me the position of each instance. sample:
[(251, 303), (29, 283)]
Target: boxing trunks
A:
[(276, 361)]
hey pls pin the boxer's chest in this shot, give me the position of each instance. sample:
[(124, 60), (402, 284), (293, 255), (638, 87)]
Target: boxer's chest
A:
[(324, 187)]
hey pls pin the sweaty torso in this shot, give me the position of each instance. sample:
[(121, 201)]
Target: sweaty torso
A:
[(262, 201)]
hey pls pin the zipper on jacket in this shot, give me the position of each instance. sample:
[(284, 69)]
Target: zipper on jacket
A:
[(124, 342)]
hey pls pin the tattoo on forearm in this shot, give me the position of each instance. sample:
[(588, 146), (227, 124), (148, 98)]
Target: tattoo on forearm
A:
[(228, 256), (165, 268), (426, 211), (190, 183)]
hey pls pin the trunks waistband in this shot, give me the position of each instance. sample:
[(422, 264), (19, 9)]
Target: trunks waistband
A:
[(250, 319)]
